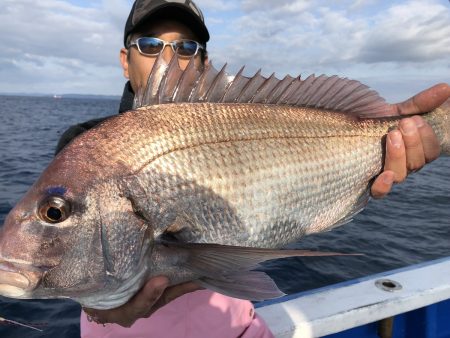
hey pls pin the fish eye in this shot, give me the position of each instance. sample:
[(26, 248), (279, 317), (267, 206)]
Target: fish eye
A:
[(54, 210)]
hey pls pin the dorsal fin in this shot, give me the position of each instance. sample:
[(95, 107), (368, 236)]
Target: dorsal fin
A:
[(204, 83), (218, 86), (265, 89), (150, 95), (235, 87), (251, 88), (167, 83), (186, 83)]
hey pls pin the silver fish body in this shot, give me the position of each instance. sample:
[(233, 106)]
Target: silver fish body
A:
[(192, 191)]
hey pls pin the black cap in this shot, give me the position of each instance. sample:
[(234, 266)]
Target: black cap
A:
[(182, 10)]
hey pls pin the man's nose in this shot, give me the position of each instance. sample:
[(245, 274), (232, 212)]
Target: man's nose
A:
[(167, 53)]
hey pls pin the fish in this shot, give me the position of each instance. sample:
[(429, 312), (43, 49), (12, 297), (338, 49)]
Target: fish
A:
[(208, 176)]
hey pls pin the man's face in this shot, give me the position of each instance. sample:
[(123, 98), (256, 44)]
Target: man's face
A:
[(137, 67)]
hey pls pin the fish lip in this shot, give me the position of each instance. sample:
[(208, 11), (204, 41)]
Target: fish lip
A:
[(18, 280)]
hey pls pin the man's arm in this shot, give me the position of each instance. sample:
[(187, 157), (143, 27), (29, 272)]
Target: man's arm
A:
[(414, 144)]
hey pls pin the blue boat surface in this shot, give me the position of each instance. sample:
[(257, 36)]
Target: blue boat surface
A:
[(412, 302)]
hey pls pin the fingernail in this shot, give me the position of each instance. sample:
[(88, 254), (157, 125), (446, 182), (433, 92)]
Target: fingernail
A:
[(395, 137), (419, 121), (158, 282), (388, 179), (408, 127)]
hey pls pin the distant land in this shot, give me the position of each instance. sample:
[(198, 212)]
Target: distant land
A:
[(66, 96)]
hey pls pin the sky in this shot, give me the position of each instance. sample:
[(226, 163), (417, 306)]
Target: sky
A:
[(72, 46)]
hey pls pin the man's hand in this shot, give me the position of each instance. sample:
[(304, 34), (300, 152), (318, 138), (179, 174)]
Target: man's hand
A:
[(153, 295), (414, 144)]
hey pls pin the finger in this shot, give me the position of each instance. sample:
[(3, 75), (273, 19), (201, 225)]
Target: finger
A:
[(136, 307), (415, 157), (172, 293), (430, 143), (425, 101), (396, 156), (382, 184), (102, 316), (179, 290), (148, 296), (117, 316)]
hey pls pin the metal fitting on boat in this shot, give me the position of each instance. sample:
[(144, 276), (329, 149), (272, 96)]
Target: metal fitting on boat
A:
[(388, 285)]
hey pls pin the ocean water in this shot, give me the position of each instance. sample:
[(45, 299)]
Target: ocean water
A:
[(412, 225)]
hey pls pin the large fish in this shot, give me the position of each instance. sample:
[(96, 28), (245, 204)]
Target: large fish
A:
[(194, 190)]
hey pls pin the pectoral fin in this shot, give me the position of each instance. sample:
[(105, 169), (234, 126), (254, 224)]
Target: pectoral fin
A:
[(227, 269), (252, 285)]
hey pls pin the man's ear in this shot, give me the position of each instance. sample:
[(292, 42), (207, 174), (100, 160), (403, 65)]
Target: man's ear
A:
[(124, 61)]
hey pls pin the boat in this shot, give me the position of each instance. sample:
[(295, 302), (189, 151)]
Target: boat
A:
[(412, 302)]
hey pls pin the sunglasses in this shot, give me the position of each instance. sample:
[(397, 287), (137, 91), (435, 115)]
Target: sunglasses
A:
[(153, 46)]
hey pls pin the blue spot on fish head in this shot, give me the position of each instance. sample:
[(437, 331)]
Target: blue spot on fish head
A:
[(58, 191)]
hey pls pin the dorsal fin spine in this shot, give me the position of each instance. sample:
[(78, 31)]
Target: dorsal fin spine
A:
[(284, 98), (277, 91), (305, 86), (187, 82), (232, 86), (335, 91), (197, 95), (328, 85), (215, 83), (264, 86), (157, 74), (343, 94), (173, 72), (310, 96), (352, 96), (364, 99), (248, 86)]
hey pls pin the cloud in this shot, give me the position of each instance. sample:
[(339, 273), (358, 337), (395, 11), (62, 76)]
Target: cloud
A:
[(50, 40), (216, 5), (72, 46), (410, 39), (53, 28), (360, 4), (413, 32), (279, 8), (283, 37)]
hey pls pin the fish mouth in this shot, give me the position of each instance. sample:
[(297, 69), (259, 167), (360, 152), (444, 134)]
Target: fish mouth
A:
[(17, 281)]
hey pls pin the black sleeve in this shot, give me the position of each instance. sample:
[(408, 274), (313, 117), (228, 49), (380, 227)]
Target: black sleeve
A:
[(76, 130)]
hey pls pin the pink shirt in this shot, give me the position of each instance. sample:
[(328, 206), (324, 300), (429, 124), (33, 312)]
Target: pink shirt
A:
[(194, 315)]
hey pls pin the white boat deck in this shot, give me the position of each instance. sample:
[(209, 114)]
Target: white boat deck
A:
[(358, 302)]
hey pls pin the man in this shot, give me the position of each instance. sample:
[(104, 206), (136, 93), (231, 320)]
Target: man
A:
[(408, 148)]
